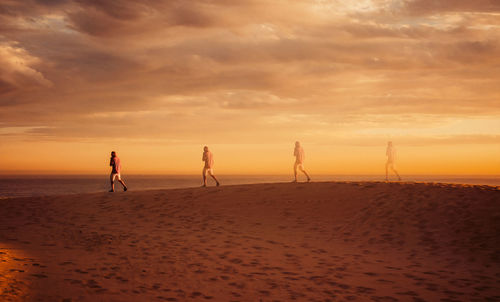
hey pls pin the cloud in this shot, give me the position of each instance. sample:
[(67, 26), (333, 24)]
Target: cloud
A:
[(88, 69), (423, 7), (17, 69)]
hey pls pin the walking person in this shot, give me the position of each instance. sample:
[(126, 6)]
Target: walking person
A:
[(208, 158), (391, 158), (298, 152), (114, 162)]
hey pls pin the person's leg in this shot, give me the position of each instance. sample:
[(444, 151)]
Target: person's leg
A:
[(204, 173), (122, 182), (213, 176), (392, 167), (295, 171), (304, 171), (387, 171), (112, 179)]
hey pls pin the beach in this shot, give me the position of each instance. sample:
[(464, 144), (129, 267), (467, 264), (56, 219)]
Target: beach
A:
[(319, 241)]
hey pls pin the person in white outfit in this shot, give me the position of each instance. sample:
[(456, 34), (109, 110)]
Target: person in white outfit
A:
[(391, 158), (298, 152), (208, 158)]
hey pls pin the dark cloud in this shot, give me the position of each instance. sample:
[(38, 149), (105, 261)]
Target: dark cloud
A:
[(71, 68), (16, 8), (5, 88), (424, 7), (106, 18), (125, 10), (474, 52), (52, 2)]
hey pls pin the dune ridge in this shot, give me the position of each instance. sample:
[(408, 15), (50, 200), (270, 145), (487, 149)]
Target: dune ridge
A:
[(324, 241)]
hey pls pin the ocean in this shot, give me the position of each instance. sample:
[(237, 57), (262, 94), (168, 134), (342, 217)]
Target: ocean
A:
[(46, 185)]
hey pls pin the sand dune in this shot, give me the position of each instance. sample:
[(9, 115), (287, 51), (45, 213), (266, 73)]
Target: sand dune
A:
[(331, 241)]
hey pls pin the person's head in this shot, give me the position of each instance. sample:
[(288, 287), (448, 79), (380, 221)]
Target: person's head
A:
[(205, 148), (113, 154), (297, 144), (389, 143)]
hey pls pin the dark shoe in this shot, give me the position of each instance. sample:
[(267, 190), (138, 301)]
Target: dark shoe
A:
[(308, 180), (218, 184), (125, 189)]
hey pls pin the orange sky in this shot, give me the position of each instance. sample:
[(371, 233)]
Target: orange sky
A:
[(157, 80)]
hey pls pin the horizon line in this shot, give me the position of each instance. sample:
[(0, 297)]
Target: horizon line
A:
[(232, 174)]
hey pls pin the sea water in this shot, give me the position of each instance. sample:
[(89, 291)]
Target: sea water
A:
[(43, 185)]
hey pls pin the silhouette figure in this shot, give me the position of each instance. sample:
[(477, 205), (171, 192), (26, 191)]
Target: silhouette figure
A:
[(208, 158), (391, 157), (299, 161), (114, 162)]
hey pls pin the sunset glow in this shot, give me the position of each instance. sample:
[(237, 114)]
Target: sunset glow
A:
[(158, 80)]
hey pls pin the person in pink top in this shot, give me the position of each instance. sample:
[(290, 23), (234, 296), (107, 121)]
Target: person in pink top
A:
[(208, 158), (114, 162), (298, 152)]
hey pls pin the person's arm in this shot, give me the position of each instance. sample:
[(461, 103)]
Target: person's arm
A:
[(111, 161), (203, 156)]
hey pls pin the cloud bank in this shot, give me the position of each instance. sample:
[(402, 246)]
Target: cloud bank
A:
[(316, 69)]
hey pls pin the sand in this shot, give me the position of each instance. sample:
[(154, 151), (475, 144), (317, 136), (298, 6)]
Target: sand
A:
[(329, 241)]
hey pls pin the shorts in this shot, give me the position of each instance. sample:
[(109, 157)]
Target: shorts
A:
[(115, 175), (390, 164), (301, 165), (208, 170)]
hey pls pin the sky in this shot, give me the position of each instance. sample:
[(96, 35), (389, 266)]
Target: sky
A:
[(157, 80)]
